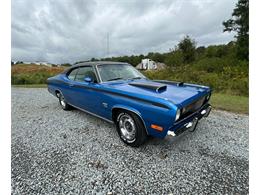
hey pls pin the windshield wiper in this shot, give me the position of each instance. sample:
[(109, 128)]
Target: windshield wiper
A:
[(118, 78)]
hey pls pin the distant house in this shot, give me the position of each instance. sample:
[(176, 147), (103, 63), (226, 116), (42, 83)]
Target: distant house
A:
[(40, 63), (27, 62), (43, 63), (148, 64), (36, 63)]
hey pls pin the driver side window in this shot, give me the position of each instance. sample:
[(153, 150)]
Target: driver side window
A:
[(84, 72)]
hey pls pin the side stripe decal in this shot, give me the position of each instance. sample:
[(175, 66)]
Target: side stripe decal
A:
[(113, 93)]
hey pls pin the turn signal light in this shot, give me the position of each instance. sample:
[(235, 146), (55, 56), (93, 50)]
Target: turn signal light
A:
[(156, 127)]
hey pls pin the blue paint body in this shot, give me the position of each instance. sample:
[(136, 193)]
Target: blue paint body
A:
[(153, 107)]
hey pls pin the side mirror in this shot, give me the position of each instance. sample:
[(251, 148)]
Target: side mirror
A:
[(88, 80)]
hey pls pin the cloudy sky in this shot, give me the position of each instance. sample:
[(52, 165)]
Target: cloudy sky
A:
[(60, 31)]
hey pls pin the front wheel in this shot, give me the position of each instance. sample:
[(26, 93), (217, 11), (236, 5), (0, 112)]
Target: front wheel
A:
[(130, 128), (63, 103)]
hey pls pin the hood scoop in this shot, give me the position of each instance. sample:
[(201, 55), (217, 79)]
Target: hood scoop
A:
[(158, 87), (179, 84)]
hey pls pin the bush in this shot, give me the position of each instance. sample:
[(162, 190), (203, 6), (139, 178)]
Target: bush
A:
[(230, 80), (214, 64), (175, 59)]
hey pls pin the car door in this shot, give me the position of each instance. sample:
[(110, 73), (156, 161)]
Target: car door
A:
[(68, 90), (85, 92)]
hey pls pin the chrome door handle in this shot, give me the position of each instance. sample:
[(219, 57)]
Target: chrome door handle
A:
[(71, 85)]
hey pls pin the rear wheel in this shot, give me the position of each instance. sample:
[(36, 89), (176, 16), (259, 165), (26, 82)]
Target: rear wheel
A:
[(130, 128), (64, 105)]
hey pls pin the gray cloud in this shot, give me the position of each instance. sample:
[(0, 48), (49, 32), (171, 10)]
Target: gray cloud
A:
[(72, 30)]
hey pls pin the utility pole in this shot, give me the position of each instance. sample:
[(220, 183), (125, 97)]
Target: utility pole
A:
[(107, 44)]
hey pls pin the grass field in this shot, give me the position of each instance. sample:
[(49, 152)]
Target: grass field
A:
[(238, 104), (27, 74)]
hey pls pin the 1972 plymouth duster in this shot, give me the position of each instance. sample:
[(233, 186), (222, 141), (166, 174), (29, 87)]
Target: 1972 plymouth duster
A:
[(118, 93)]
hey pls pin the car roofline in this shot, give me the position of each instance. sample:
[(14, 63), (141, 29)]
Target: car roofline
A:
[(94, 65), (98, 63)]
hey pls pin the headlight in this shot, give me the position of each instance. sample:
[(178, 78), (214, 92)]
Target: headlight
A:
[(208, 96), (178, 114)]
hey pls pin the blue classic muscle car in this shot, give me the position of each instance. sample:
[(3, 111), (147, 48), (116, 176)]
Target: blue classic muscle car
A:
[(118, 93)]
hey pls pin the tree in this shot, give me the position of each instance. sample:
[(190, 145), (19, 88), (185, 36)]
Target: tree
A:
[(93, 59), (65, 64), (157, 57), (240, 24), (188, 48), (200, 51), (19, 62), (175, 58)]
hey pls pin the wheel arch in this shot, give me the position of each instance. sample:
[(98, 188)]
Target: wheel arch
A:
[(58, 91), (117, 108)]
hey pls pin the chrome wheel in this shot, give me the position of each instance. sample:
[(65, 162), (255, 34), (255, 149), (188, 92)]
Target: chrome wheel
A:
[(130, 128), (127, 127), (62, 101)]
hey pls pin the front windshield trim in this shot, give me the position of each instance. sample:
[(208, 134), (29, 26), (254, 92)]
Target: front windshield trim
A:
[(101, 80)]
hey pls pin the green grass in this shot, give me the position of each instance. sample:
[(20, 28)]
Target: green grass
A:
[(238, 104), (31, 86)]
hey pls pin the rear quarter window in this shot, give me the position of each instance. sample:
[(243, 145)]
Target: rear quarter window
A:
[(72, 74)]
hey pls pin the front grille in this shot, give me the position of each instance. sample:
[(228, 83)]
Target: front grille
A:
[(193, 107)]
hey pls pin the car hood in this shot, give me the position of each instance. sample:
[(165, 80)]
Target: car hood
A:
[(174, 92)]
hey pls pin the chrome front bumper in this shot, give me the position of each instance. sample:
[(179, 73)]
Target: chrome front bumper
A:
[(192, 122)]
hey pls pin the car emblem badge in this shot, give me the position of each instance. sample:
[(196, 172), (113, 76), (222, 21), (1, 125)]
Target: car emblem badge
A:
[(105, 104)]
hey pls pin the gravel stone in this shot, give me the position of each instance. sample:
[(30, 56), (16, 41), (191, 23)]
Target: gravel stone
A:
[(71, 152)]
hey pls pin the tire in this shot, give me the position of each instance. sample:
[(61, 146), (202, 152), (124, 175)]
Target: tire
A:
[(130, 128), (64, 105)]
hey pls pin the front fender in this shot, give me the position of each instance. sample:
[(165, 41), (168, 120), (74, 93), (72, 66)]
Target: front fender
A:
[(127, 108), (148, 117)]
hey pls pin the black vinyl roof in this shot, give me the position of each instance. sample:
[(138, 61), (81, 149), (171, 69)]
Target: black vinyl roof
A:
[(97, 63), (92, 64)]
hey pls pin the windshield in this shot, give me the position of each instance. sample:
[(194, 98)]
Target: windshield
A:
[(110, 72)]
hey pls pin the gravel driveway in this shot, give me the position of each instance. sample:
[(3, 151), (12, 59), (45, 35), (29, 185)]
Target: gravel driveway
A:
[(70, 152)]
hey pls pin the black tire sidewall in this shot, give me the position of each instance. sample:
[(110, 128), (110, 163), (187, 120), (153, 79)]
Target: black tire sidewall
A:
[(140, 135)]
